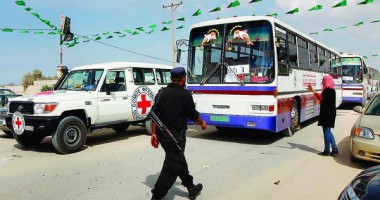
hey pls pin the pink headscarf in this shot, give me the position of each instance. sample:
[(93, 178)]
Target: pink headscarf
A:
[(328, 82)]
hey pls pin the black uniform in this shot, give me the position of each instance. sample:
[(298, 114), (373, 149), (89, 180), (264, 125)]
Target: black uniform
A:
[(174, 105), (327, 114)]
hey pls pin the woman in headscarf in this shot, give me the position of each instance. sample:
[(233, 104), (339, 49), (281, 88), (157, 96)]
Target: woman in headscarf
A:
[(327, 114)]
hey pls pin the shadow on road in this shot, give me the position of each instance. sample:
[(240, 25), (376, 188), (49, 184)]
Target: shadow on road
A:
[(301, 147), (344, 156), (347, 106), (6, 136), (176, 190)]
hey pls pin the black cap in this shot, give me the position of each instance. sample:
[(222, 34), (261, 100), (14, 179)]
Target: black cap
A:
[(177, 72)]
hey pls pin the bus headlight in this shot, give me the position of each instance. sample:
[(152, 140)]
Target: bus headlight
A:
[(41, 108)]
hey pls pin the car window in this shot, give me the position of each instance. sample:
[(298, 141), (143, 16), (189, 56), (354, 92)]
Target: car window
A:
[(374, 107)]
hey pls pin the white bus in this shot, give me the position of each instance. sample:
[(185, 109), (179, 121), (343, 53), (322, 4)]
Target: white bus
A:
[(356, 83), (253, 72), (374, 76)]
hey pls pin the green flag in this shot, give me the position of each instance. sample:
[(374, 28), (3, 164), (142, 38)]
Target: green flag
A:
[(98, 38), (359, 24), (153, 26), (140, 29), (341, 4), (122, 35), (375, 21), (128, 31), (117, 32), (314, 33), (342, 27), (181, 19), (197, 13), (317, 7), (52, 33), (23, 31), (234, 4), (375, 55), (168, 22), (95, 35), (20, 3), (215, 9), (105, 33), (180, 27), (328, 29), (36, 14), (109, 37), (293, 11), (86, 41), (272, 15), (39, 32), (165, 28), (150, 32), (28, 9), (135, 33), (365, 2), (7, 30), (254, 1)]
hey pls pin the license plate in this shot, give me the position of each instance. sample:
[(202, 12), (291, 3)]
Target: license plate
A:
[(29, 128), (218, 118)]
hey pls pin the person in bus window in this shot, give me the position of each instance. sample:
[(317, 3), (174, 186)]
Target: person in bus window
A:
[(327, 114)]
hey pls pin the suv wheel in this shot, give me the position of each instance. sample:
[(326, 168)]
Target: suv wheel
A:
[(70, 135)]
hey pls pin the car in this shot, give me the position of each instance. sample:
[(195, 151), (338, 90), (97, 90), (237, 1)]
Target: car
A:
[(365, 186), (5, 95), (365, 134)]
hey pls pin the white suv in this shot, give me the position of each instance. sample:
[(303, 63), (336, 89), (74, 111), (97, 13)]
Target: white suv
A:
[(113, 95)]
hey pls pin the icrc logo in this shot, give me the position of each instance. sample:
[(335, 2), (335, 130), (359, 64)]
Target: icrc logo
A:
[(142, 102)]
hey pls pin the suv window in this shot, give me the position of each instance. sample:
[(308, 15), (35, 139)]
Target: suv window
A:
[(163, 76), (143, 76), (114, 81)]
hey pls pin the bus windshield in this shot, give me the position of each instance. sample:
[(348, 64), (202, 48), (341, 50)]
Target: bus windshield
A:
[(351, 70), (81, 80), (232, 53)]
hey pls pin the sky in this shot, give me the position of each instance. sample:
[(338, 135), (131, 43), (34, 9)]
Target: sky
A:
[(21, 53)]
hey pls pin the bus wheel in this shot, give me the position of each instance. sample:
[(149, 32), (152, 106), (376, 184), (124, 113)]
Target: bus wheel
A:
[(70, 136), (294, 125)]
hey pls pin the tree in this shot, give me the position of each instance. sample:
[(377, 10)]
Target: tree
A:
[(27, 80), (37, 74)]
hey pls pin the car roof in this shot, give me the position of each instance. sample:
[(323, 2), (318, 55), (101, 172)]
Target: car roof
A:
[(122, 65)]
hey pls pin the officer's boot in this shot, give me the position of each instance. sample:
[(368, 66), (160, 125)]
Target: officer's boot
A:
[(334, 152), (194, 190)]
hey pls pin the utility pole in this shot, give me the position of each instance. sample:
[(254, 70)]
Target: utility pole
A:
[(172, 9)]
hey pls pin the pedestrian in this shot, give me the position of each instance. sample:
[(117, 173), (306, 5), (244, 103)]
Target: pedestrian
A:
[(173, 106), (327, 114)]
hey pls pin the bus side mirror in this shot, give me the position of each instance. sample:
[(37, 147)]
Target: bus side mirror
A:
[(178, 55)]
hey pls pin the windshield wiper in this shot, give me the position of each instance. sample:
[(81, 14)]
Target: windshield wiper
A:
[(205, 79), (236, 76)]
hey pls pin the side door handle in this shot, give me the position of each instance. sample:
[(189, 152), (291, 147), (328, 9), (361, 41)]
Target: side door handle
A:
[(125, 98), (105, 100)]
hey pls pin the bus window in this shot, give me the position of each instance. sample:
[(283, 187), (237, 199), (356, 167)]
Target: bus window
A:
[(313, 57), (293, 61), (303, 54), (328, 61), (322, 60), (163, 76), (282, 52)]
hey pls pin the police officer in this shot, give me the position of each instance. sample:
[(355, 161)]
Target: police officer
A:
[(173, 106)]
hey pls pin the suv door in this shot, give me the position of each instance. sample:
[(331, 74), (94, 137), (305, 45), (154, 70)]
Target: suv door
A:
[(113, 101)]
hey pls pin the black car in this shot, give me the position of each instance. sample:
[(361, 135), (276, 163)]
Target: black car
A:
[(5, 95), (365, 186)]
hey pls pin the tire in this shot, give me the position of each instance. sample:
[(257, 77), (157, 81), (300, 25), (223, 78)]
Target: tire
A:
[(28, 139), (70, 135), (294, 124), (9, 133), (121, 128), (148, 126)]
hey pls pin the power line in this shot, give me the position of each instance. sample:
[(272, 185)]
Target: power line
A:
[(127, 50), (29, 29)]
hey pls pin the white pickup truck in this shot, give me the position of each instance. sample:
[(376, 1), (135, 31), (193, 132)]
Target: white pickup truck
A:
[(104, 95)]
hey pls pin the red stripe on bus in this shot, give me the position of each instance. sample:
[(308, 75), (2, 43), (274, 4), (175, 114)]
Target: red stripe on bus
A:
[(233, 92)]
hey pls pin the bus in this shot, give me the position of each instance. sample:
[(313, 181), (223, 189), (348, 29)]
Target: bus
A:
[(253, 72), (374, 76), (356, 82)]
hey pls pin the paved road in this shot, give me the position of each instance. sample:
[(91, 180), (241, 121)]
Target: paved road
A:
[(231, 165)]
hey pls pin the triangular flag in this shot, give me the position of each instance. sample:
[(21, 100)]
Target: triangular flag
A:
[(117, 32), (135, 33), (165, 28), (8, 30), (95, 35), (272, 15), (105, 33), (181, 19), (315, 33), (180, 27), (52, 33), (234, 4), (341, 4), (36, 15), (215, 9), (365, 2), (128, 31), (20, 3), (28, 9), (375, 55), (39, 32), (342, 27), (153, 26), (317, 7), (197, 13), (86, 41), (359, 24), (375, 21), (293, 11), (168, 22), (23, 31), (140, 29), (254, 1), (109, 37), (122, 35), (98, 38), (150, 32), (327, 29)]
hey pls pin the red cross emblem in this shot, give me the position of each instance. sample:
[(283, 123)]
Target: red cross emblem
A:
[(144, 104), (18, 122)]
